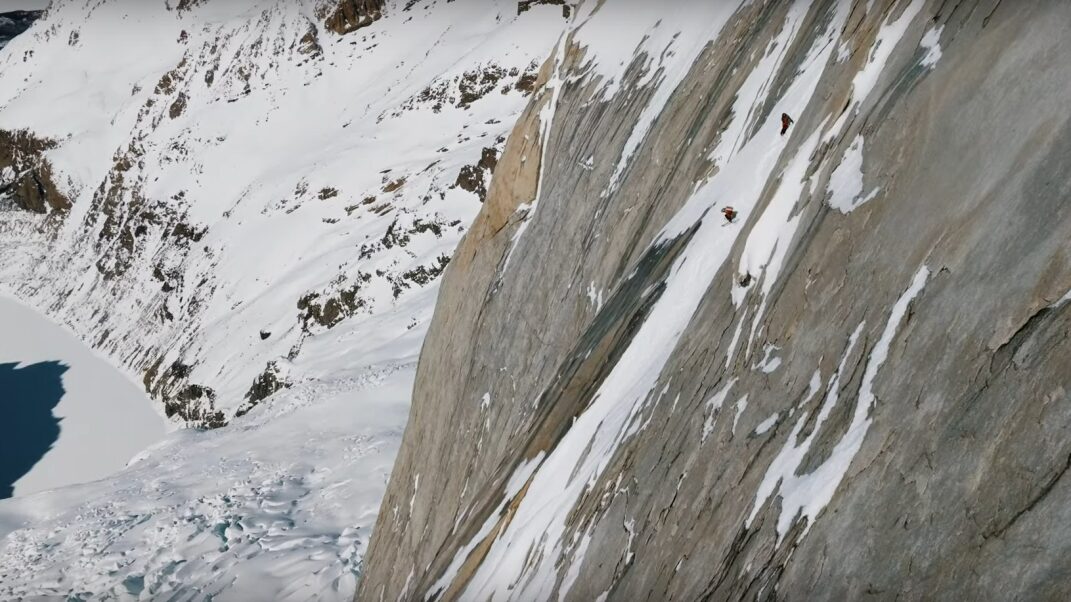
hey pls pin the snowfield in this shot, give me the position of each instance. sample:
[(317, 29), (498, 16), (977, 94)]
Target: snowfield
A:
[(105, 419), (260, 211), (277, 506), (242, 180)]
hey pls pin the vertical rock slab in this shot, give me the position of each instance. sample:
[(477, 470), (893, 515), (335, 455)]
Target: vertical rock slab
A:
[(859, 387)]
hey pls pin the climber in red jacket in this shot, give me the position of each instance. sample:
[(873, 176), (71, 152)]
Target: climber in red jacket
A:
[(730, 214), (785, 122)]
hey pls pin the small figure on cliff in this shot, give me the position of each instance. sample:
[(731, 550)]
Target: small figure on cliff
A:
[(730, 214), (786, 121)]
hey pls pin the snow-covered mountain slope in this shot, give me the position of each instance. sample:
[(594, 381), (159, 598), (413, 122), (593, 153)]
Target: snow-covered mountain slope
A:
[(856, 388), (219, 182), (246, 206), (14, 22)]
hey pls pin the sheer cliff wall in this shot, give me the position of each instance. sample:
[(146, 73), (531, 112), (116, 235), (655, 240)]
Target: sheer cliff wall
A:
[(859, 387)]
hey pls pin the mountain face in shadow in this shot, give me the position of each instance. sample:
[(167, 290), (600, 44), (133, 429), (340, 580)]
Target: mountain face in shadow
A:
[(28, 429), (13, 23)]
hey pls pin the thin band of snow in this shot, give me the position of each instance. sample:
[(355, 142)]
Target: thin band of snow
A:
[(805, 496)]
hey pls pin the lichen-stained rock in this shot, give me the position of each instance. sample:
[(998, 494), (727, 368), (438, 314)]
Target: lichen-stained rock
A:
[(857, 388)]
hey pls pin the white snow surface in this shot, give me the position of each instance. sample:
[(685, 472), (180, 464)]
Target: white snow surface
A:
[(931, 42), (846, 181), (668, 37), (888, 37), (713, 408), (767, 424), (299, 163), (298, 167), (277, 506), (741, 406), (105, 419)]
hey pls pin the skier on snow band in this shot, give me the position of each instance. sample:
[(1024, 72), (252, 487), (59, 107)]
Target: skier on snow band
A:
[(785, 122)]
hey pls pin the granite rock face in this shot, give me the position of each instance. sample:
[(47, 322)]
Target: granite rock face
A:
[(26, 175), (859, 388), (350, 15)]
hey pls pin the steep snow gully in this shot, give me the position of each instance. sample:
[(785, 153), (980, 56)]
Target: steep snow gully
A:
[(440, 304)]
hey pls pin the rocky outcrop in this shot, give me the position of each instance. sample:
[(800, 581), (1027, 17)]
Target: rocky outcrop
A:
[(26, 176), (348, 16), (327, 309), (524, 5), (185, 5), (858, 388), (474, 178), (270, 382), (13, 23), (190, 402)]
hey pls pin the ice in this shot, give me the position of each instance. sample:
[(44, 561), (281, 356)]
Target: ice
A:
[(105, 419), (846, 181), (931, 42), (767, 424), (888, 37), (259, 510)]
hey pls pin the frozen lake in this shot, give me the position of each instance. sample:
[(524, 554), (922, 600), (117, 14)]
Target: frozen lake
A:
[(68, 416)]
